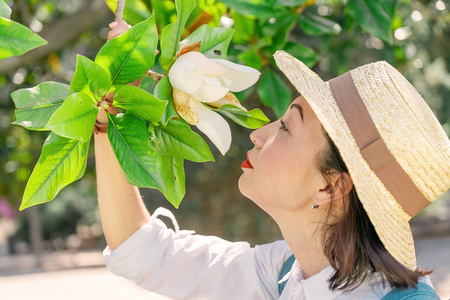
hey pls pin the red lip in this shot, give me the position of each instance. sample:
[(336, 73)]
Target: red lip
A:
[(247, 164)]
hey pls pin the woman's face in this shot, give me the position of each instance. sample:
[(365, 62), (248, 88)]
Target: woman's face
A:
[(283, 171)]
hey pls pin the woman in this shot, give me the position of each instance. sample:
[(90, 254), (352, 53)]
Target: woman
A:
[(341, 195)]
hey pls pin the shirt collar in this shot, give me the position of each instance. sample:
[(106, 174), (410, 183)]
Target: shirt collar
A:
[(317, 286)]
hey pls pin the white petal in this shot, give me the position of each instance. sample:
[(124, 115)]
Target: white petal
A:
[(185, 76), (242, 77), (210, 90), (212, 81), (229, 98), (215, 127), (223, 81), (208, 67)]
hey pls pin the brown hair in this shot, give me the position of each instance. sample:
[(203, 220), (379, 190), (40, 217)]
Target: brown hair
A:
[(351, 243)]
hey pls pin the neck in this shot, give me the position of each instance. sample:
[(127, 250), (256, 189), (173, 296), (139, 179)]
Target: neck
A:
[(301, 230)]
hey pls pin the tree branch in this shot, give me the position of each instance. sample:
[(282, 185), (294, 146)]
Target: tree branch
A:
[(153, 75), (119, 9), (60, 33)]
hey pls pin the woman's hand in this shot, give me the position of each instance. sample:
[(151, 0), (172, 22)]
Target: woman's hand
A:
[(118, 28)]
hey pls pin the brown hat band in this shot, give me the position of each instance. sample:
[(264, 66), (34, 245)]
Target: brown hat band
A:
[(372, 146)]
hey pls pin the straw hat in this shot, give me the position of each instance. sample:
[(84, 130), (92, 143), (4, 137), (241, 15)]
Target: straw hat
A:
[(396, 151)]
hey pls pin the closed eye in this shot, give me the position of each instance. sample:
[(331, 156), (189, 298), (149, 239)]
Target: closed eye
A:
[(283, 126)]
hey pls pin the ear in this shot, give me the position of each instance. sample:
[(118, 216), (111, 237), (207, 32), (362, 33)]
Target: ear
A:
[(340, 186)]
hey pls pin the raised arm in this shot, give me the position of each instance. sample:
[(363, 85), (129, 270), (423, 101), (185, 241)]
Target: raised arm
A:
[(122, 210)]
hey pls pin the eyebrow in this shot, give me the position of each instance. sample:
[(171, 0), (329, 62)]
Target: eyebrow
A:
[(299, 107)]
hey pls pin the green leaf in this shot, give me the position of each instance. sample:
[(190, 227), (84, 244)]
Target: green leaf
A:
[(140, 163), (134, 12), (171, 34), (278, 23), (163, 91), (139, 103), (147, 84), (252, 119), (90, 79), (215, 41), (62, 162), (5, 10), (172, 172), (274, 92), (375, 16), (165, 10), (75, 118), (244, 27), (215, 9), (258, 8), (304, 53), (292, 2), (389, 6), (36, 105), (251, 58), (178, 140), (126, 58), (317, 25), (278, 27), (16, 39)]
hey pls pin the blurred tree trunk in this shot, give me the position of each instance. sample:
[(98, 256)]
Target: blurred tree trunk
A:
[(35, 230)]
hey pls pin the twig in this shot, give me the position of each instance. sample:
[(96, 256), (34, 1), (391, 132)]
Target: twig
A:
[(119, 9), (155, 76)]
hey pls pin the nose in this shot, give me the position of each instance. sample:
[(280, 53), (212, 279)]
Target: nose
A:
[(259, 136), (254, 137)]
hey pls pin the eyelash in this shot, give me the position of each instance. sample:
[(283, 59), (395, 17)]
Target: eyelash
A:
[(283, 126)]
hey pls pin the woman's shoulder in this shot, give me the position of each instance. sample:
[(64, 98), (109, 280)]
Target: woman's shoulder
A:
[(269, 258), (276, 246), (275, 253)]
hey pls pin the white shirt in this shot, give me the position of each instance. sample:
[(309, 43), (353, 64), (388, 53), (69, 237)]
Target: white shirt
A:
[(183, 265)]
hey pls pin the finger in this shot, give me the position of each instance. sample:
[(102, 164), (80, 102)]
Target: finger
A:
[(113, 25), (117, 31), (118, 23), (102, 117), (122, 23)]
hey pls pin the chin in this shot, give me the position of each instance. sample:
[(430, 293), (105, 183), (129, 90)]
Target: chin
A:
[(245, 189), (248, 192), (241, 185)]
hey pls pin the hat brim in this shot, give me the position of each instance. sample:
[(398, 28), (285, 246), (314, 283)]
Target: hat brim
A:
[(389, 219)]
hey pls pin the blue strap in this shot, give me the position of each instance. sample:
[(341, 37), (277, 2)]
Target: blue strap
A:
[(287, 266), (422, 292)]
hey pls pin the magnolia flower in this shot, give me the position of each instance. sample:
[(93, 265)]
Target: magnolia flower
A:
[(197, 79)]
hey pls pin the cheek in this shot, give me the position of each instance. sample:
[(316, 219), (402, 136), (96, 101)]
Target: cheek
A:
[(279, 177), (264, 183)]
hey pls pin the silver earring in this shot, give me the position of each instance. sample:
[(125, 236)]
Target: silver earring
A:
[(315, 205)]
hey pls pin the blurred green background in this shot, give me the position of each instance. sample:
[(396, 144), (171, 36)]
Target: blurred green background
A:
[(331, 36)]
